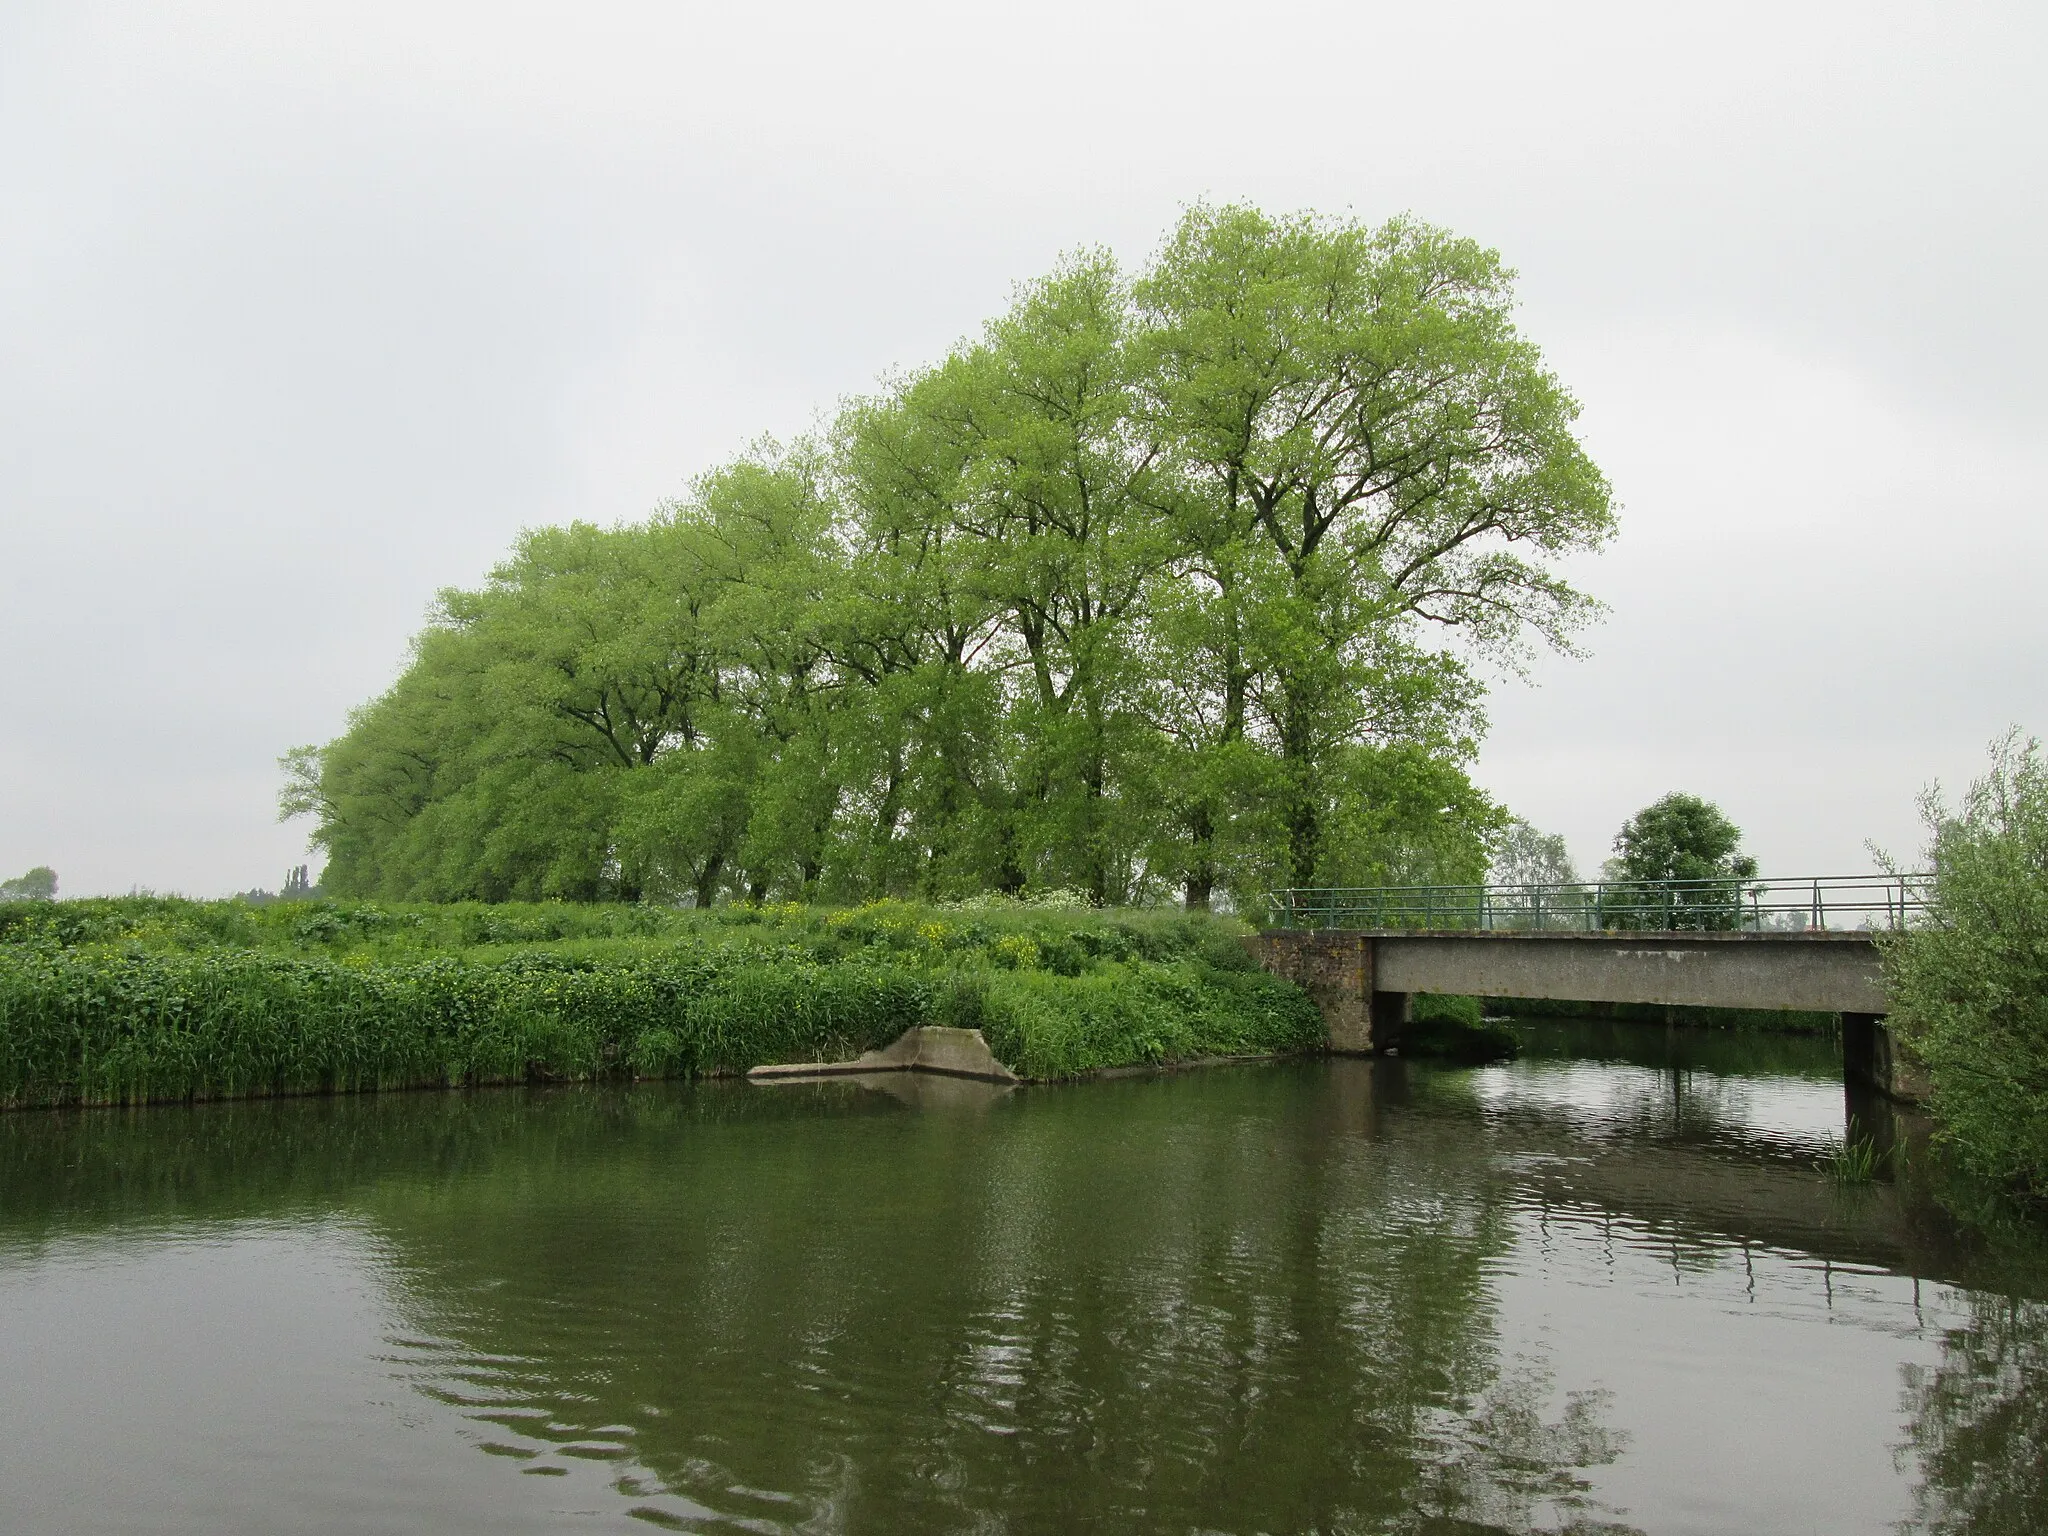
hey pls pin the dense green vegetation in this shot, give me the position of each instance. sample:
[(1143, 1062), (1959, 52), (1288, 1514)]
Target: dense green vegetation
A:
[(1680, 837), (142, 998), (1145, 592), (1969, 986)]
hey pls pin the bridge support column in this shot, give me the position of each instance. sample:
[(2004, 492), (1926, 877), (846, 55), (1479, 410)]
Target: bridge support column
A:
[(1872, 1059), (1390, 1014)]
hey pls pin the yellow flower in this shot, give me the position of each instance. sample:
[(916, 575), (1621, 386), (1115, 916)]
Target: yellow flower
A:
[(1017, 950)]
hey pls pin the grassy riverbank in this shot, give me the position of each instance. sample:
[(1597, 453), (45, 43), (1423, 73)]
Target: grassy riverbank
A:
[(146, 998)]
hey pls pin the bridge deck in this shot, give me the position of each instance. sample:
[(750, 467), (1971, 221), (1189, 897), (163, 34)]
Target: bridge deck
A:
[(1827, 972)]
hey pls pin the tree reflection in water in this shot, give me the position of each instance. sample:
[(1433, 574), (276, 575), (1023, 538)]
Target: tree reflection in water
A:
[(1979, 1429), (1228, 1307)]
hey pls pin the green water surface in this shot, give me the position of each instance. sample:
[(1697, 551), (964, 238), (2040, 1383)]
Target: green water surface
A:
[(1602, 1288)]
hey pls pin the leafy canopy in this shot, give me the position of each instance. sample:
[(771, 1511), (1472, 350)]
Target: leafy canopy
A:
[(1681, 837)]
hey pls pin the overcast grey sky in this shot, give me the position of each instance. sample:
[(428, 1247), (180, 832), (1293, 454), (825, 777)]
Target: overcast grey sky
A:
[(306, 309)]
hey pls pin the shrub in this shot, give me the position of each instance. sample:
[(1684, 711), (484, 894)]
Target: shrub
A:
[(1969, 986), (1443, 1007)]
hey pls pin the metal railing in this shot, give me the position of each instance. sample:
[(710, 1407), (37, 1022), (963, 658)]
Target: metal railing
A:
[(1812, 903)]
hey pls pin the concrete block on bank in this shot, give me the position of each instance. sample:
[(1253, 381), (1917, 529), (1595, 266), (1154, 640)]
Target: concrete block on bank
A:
[(925, 1048)]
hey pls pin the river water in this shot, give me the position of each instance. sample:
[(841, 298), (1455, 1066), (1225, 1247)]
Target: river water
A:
[(1603, 1288)]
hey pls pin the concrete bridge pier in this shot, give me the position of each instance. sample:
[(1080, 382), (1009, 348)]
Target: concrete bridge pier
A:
[(1390, 1013), (1871, 1059)]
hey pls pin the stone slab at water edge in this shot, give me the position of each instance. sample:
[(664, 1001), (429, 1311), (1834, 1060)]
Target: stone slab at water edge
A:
[(927, 1048)]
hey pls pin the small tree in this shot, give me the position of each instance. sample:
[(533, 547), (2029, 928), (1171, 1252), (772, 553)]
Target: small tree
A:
[(1684, 838), (1525, 856), (1539, 868), (1969, 985), (1681, 837), (39, 884)]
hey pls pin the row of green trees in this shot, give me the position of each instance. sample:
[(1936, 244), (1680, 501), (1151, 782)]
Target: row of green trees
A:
[(1152, 588)]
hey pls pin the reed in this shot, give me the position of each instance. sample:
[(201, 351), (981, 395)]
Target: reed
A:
[(151, 999), (1856, 1161)]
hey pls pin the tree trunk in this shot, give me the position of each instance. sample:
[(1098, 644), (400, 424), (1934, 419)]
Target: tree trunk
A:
[(1297, 762), (1304, 833), (1096, 777), (1200, 880), (707, 879)]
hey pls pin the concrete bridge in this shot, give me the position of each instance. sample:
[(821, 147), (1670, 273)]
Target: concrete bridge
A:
[(1364, 980)]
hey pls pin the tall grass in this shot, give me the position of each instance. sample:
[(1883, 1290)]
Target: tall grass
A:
[(106, 1028), (142, 999), (1048, 1026), (1857, 1160)]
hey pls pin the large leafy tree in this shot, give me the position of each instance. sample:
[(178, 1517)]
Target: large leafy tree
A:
[(920, 635), (1368, 448), (1678, 863), (594, 721), (1004, 504), (1062, 508)]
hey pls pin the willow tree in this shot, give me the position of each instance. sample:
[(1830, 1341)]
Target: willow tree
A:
[(1061, 503), (1005, 525), (492, 767), (916, 629), (1370, 449), (605, 717), (764, 528)]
